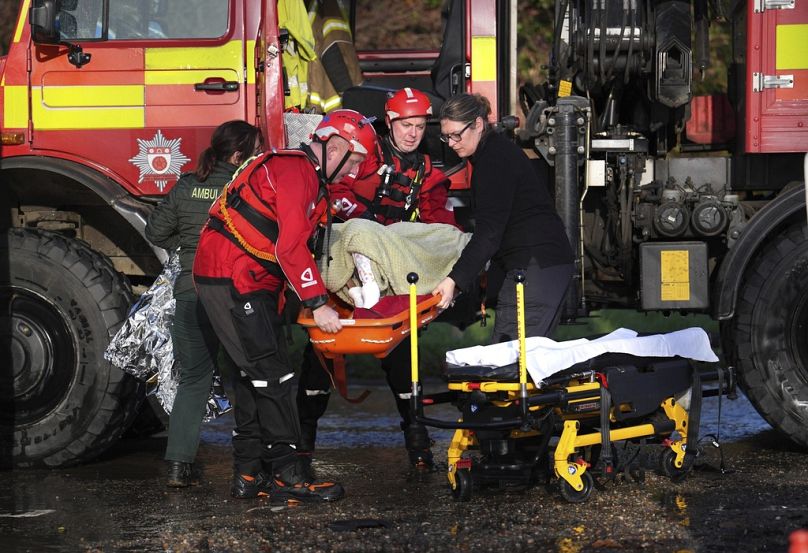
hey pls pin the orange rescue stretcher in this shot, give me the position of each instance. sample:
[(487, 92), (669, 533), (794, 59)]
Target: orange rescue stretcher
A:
[(374, 331)]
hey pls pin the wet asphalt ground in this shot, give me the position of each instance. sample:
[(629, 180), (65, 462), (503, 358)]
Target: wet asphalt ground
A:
[(120, 502)]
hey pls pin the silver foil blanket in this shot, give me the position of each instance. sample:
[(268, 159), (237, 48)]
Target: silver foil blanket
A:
[(142, 346)]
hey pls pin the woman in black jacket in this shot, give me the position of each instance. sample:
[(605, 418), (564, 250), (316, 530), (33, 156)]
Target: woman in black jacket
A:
[(516, 224), (176, 223)]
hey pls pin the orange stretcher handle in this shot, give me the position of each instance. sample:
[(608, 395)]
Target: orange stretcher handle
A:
[(367, 336)]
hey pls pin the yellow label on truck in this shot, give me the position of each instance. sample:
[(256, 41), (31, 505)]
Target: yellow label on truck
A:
[(674, 275), (790, 53)]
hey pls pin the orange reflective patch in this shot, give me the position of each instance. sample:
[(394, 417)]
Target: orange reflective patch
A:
[(313, 487)]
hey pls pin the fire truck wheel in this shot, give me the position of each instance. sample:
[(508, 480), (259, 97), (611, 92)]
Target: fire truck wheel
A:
[(62, 403), (767, 340)]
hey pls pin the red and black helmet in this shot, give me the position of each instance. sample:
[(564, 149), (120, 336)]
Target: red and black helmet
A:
[(350, 125), (407, 102)]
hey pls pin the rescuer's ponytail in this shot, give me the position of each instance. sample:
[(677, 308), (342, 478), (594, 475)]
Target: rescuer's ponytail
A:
[(233, 137)]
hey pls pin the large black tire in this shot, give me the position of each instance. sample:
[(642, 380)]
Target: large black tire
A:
[(767, 340), (62, 402)]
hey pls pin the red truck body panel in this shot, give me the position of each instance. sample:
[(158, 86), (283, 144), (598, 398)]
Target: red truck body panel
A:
[(777, 118)]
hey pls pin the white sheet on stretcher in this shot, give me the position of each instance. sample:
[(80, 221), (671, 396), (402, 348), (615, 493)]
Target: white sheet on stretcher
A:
[(546, 357)]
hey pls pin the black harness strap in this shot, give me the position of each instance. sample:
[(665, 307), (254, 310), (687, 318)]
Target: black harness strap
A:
[(411, 201), (322, 239), (272, 268), (264, 225), (402, 179), (386, 188)]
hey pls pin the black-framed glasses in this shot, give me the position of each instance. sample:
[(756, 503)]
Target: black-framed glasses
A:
[(455, 136)]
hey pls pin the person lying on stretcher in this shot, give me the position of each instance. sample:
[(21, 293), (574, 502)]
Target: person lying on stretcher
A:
[(368, 260)]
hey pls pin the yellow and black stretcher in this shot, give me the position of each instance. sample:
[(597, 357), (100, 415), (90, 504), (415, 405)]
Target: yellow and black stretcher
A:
[(513, 432)]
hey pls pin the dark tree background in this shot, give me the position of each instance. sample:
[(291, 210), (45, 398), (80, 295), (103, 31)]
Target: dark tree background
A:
[(8, 15)]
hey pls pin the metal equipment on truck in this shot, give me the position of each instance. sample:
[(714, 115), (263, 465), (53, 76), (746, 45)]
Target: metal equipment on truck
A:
[(682, 202)]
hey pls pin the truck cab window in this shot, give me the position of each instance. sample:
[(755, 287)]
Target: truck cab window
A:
[(161, 19), (145, 19)]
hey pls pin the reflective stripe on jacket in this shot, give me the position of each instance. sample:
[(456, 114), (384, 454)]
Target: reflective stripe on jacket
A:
[(337, 65), (299, 51)]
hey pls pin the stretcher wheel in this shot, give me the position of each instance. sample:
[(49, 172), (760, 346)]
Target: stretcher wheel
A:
[(669, 469), (463, 485), (572, 495)]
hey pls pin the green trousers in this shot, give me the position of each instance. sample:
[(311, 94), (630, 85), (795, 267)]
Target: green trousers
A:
[(195, 348)]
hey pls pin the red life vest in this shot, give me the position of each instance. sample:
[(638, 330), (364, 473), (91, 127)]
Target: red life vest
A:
[(245, 218), (402, 198)]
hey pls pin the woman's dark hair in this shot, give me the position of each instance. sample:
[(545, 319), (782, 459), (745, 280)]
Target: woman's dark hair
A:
[(465, 108), (228, 138)]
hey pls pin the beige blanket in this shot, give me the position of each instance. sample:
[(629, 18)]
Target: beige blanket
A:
[(394, 251)]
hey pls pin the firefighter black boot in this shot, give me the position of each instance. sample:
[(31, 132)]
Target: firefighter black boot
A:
[(290, 483), (418, 444), (246, 486)]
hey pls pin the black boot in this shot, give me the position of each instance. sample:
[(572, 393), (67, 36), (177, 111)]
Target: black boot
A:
[(418, 444), (290, 483), (181, 475), (246, 486)]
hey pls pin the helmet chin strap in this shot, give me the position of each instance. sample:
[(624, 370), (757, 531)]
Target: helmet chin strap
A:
[(329, 178), (390, 138), (392, 141)]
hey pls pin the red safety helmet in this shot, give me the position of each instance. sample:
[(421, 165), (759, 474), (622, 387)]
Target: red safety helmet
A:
[(407, 102), (350, 125)]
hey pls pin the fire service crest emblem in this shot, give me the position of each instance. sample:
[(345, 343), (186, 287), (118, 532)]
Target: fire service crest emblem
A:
[(159, 159)]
